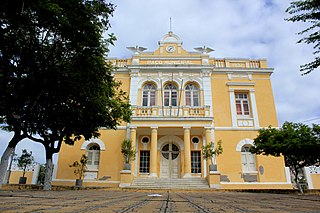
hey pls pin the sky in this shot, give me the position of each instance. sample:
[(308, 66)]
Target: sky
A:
[(234, 29)]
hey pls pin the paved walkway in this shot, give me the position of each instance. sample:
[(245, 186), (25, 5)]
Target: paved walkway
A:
[(154, 201)]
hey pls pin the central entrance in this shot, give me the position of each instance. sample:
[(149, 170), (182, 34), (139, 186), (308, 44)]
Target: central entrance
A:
[(170, 161)]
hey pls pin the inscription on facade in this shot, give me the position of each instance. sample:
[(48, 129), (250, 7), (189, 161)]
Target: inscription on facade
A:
[(170, 62)]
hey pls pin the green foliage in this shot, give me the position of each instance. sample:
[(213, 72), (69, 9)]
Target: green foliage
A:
[(128, 151), (55, 77), (297, 142), (41, 175), (80, 167), (308, 11), (208, 151), (56, 82), (25, 159)]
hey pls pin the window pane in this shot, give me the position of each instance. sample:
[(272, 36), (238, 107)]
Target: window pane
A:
[(238, 106), (245, 107), (195, 162), (152, 98), (166, 98), (195, 99), (144, 161), (174, 98), (188, 98)]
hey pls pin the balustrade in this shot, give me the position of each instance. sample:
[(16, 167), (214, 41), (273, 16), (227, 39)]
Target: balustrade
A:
[(159, 111)]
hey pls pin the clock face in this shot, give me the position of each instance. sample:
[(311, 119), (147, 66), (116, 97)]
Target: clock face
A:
[(170, 49)]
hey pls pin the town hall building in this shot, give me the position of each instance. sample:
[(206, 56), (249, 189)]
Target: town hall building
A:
[(182, 100)]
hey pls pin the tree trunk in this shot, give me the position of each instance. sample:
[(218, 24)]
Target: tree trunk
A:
[(6, 155), (4, 164), (48, 173), (296, 179)]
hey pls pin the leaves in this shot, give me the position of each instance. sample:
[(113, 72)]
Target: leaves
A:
[(208, 151), (128, 151), (308, 11), (26, 159), (80, 167), (297, 142)]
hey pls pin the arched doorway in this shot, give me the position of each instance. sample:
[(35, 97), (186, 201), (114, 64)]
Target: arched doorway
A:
[(170, 161)]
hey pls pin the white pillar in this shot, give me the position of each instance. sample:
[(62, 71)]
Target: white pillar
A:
[(233, 108), (254, 109), (154, 152)]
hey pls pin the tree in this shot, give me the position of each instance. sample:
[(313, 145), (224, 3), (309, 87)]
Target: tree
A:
[(297, 142), (308, 11), (209, 152), (25, 160), (128, 152), (79, 168), (57, 85)]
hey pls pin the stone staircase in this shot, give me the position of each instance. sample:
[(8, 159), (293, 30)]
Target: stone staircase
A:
[(164, 183)]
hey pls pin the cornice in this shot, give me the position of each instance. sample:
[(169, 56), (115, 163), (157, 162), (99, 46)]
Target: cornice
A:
[(243, 70)]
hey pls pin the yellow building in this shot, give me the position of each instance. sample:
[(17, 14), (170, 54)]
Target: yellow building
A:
[(181, 101)]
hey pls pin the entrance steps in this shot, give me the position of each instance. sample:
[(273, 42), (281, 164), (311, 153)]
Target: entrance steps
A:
[(165, 183)]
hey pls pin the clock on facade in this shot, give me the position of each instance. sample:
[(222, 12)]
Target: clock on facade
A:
[(170, 49)]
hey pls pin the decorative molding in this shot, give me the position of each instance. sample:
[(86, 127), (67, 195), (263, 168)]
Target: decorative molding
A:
[(240, 84), (171, 119), (227, 128), (93, 140), (134, 73), (242, 143), (170, 139)]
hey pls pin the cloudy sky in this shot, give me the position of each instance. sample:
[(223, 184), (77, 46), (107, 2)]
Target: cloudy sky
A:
[(234, 28)]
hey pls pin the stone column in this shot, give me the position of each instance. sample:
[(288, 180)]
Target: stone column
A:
[(187, 153), (208, 135), (208, 140), (133, 138), (153, 160)]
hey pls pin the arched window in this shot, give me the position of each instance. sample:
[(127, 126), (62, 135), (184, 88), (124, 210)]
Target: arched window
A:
[(93, 154), (192, 95), (248, 159), (170, 95), (149, 95)]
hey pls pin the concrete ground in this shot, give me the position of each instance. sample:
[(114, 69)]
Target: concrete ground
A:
[(154, 201)]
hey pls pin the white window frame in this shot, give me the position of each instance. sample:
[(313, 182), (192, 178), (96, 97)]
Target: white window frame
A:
[(248, 160), (93, 156), (169, 90), (149, 92), (193, 91), (242, 98)]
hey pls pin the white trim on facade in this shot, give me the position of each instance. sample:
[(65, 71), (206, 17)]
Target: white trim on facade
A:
[(254, 109), (171, 139), (254, 183), (134, 88), (240, 83), (93, 140), (242, 143), (226, 128)]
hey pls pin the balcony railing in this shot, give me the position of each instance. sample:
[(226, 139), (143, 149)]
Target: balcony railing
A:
[(159, 111)]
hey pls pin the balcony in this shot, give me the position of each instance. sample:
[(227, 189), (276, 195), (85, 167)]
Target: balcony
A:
[(165, 111)]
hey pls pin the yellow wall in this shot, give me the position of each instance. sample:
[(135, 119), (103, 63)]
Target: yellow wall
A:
[(229, 162), (15, 175), (111, 159), (315, 180)]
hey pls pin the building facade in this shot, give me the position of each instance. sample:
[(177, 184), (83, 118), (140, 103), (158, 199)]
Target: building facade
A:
[(181, 101)]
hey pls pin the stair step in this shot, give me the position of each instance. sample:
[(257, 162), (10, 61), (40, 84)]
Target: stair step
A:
[(161, 183)]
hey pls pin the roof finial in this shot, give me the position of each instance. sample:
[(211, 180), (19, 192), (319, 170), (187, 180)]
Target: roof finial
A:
[(170, 25)]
